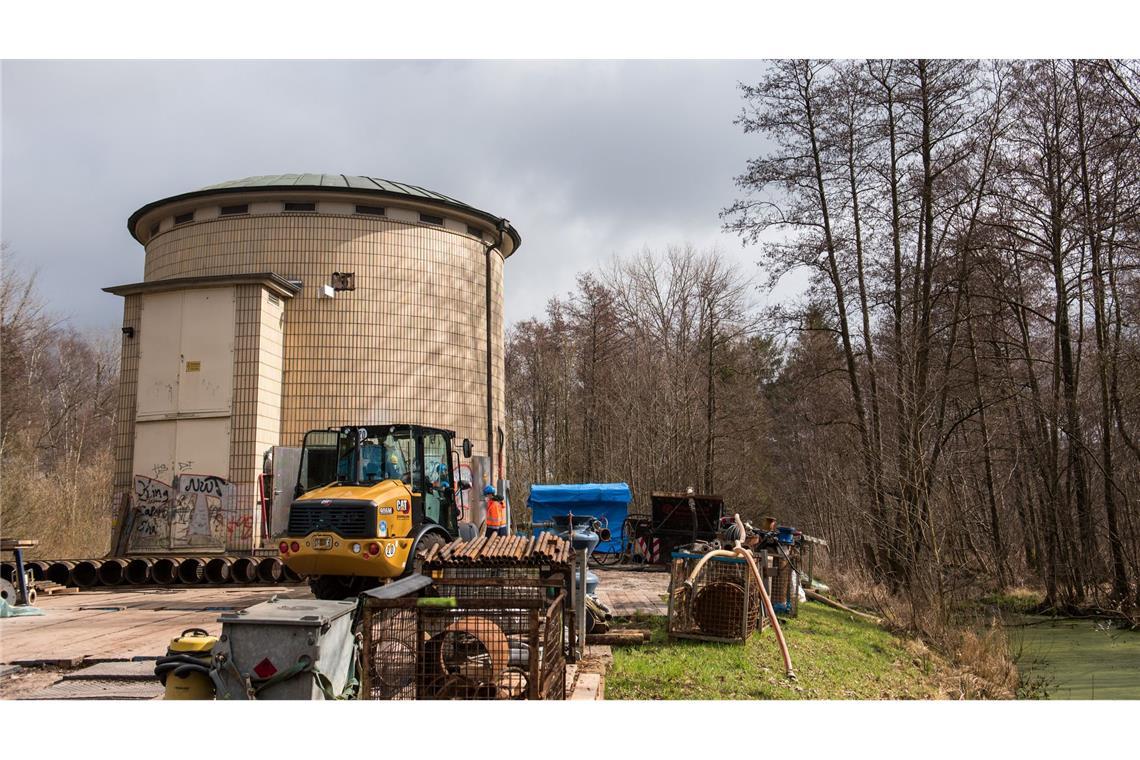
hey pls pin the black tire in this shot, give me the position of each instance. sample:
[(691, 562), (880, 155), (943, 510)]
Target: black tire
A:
[(415, 562), (333, 587)]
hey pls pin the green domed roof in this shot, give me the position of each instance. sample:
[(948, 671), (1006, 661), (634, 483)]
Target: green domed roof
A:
[(352, 183)]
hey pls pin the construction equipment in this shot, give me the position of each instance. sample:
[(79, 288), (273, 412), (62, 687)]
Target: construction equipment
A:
[(368, 501), (185, 670), (675, 520)]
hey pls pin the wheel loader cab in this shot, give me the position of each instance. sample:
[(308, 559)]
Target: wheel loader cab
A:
[(366, 498)]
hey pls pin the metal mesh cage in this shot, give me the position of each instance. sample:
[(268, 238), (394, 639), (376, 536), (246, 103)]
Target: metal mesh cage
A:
[(723, 603), (486, 634)]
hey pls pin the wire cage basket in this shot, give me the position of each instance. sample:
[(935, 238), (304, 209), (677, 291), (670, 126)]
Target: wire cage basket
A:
[(723, 603), (487, 633)]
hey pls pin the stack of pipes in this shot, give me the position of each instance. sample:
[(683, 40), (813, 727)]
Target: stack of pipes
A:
[(543, 549)]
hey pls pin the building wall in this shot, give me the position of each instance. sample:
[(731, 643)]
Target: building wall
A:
[(406, 345), (125, 414)]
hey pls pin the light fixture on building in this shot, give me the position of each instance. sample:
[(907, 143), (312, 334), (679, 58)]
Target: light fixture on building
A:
[(129, 332), (343, 280)]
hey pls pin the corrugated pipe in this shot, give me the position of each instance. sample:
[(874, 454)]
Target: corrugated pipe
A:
[(137, 572), (270, 570), (164, 571), (60, 572), (38, 567), (86, 573), (111, 571), (218, 570), (244, 570), (192, 570)]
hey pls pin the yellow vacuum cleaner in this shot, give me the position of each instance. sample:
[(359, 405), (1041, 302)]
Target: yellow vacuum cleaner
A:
[(185, 670)]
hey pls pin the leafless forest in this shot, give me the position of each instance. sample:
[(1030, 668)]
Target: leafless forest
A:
[(59, 388), (954, 402)]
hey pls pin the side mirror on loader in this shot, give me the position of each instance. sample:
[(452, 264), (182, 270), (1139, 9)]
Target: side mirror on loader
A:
[(467, 449), (464, 485)]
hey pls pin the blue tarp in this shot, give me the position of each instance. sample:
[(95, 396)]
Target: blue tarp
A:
[(608, 502)]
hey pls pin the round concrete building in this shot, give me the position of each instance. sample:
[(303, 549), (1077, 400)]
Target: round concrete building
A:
[(270, 306)]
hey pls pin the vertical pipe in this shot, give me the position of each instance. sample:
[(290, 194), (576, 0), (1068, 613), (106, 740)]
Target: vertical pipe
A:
[(490, 377), (582, 557), (21, 576)]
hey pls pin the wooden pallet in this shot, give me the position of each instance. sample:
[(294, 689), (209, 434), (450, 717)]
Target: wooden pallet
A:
[(50, 588)]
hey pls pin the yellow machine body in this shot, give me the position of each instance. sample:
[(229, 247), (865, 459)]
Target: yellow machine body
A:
[(192, 685), (327, 553)]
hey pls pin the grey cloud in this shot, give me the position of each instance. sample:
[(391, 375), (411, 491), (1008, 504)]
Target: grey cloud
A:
[(587, 159)]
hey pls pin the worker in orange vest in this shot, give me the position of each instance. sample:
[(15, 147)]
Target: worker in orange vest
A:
[(496, 513)]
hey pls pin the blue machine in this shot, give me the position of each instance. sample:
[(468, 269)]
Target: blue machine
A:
[(608, 502)]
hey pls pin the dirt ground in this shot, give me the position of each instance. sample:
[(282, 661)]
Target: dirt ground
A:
[(28, 680)]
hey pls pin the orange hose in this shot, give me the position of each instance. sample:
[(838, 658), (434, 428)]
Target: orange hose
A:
[(738, 550)]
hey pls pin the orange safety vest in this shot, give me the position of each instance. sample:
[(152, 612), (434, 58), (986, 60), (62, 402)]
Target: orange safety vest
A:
[(496, 513)]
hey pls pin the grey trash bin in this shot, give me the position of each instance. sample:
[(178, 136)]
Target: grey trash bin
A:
[(277, 640)]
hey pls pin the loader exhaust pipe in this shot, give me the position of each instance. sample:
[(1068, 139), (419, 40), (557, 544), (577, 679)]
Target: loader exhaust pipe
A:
[(243, 570), (60, 572), (270, 570), (218, 570), (86, 573), (112, 570), (164, 571), (191, 570)]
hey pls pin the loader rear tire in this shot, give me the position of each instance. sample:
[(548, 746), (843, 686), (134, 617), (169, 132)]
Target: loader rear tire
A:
[(333, 587), (416, 563)]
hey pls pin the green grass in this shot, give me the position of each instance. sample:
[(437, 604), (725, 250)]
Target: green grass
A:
[(1014, 600), (835, 656)]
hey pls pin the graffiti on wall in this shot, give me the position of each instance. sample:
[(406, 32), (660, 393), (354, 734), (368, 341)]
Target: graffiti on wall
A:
[(150, 502), (199, 515), (195, 512)]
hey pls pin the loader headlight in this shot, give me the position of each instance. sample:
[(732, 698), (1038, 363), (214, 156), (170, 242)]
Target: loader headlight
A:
[(356, 548)]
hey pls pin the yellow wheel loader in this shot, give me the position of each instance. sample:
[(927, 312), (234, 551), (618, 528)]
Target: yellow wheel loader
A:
[(369, 502)]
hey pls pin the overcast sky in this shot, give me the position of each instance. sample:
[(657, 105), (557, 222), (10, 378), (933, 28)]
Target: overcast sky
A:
[(587, 159)]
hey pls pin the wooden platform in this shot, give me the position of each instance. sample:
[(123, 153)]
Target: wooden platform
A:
[(103, 625), (633, 591)]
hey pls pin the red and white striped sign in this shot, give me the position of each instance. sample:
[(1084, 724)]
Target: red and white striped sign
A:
[(650, 548)]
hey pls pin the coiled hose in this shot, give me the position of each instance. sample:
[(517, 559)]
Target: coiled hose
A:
[(183, 664), (738, 550), (180, 665)]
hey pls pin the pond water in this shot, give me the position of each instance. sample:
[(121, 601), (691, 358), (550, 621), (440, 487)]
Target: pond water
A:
[(1076, 659)]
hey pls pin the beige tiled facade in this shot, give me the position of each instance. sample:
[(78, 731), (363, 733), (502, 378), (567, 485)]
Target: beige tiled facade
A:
[(406, 345)]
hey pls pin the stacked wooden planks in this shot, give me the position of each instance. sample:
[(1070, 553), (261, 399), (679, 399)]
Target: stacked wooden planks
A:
[(543, 549)]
